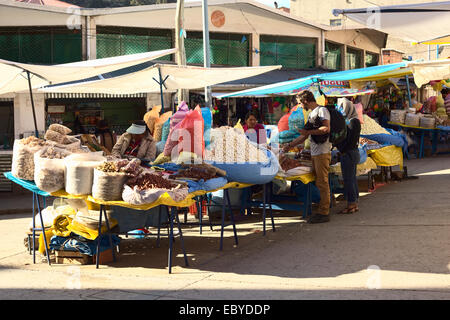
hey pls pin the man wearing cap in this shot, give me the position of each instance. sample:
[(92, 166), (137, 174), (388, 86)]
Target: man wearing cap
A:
[(137, 142)]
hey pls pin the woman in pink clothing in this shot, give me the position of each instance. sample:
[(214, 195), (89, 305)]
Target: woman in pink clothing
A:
[(254, 131)]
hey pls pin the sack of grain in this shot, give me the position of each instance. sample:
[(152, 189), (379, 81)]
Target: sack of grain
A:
[(79, 172), (22, 166), (49, 168), (108, 186), (412, 120)]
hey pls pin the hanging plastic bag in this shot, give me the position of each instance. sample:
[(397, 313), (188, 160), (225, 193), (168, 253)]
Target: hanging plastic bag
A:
[(152, 117), (297, 119), (157, 133), (283, 124), (207, 119), (191, 133)]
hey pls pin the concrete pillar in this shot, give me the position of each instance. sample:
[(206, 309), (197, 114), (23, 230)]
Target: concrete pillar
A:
[(254, 45), (92, 38), (344, 65), (23, 113), (154, 99)]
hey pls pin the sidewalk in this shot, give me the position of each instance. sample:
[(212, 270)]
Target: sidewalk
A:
[(395, 247)]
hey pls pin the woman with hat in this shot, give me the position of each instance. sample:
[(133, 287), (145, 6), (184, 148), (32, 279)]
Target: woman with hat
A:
[(136, 142)]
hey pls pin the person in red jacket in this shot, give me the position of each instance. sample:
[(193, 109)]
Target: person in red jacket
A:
[(254, 131)]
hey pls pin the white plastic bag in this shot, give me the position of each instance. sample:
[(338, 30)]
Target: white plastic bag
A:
[(138, 197), (49, 168), (79, 172)]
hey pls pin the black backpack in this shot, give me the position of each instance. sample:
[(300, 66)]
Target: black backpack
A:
[(338, 127)]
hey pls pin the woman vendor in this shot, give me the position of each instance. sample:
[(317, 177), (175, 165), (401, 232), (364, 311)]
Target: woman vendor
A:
[(253, 130), (136, 142)]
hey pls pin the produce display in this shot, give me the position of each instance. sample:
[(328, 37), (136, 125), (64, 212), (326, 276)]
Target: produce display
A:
[(370, 126), (229, 145), (198, 172), (287, 163)]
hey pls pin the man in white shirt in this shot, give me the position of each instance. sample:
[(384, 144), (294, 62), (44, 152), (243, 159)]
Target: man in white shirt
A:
[(319, 121)]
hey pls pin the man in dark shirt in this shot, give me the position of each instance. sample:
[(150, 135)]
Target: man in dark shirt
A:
[(350, 155)]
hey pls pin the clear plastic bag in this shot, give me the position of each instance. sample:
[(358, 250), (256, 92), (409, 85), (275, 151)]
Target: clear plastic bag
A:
[(23, 157), (137, 197), (59, 128), (49, 168)]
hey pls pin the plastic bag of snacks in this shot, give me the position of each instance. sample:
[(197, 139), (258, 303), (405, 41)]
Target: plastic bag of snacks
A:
[(157, 134), (79, 172), (148, 187), (49, 168), (151, 117), (54, 136), (59, 128), (23, 157)]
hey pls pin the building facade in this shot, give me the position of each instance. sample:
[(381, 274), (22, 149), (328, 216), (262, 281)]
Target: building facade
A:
[(242, 33)]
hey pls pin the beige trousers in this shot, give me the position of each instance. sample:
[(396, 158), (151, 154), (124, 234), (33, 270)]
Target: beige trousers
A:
[(321, 166)]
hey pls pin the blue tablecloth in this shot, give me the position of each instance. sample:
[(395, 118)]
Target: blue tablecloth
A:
[(29, 185), (443, 128)]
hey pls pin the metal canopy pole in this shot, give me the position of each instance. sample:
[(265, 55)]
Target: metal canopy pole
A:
[(206, 56), (409, 91), (36, 132), (161, 84)]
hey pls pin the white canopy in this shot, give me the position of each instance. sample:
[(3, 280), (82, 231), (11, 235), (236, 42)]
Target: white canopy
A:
[(413, 22), (427, 71), (176, 77), (14, 77)]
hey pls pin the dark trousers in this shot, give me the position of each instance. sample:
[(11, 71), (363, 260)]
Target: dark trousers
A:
[(349, 161)]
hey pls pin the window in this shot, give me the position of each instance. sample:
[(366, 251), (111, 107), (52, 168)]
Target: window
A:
[(354, 58), (40, 45), (290, 52), (335, 22), (332, 56), (114, 41), (371, 59), (225, 48)]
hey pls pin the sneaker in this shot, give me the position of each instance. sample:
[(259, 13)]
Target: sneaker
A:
[(319, 218)]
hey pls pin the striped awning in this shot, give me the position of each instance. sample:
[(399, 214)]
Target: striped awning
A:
[(58, 95)]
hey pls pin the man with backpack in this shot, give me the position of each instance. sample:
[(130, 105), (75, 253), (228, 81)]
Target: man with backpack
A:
[(318, 127)]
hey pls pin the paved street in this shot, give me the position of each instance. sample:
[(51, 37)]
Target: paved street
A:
[(396, 247)]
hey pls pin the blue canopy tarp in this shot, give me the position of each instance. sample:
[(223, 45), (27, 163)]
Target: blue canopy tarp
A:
[(293, 86)]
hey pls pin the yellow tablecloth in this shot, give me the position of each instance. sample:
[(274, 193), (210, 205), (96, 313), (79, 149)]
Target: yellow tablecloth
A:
[(387, 156), (304, 178), (164, 199)]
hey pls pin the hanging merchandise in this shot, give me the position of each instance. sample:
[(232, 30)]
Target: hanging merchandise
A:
[(157, 133), (151, 117), (207, 120), (175, 120)]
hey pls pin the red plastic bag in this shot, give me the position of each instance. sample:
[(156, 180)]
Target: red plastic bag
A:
[(283, 124), (187, 136)]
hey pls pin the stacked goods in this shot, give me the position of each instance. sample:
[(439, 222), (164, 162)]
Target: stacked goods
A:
[(110, 177), (427, 122), (232, 146), (49, 168), (398, 116), (370, 126), (412, 119), (23, 157), (59, 134), (79, 172), (148, 187)]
